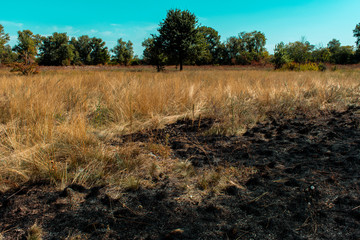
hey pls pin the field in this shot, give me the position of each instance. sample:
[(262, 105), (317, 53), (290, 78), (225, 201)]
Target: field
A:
[(199, 154)]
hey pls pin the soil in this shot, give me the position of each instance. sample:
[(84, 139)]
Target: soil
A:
[(307, 187)]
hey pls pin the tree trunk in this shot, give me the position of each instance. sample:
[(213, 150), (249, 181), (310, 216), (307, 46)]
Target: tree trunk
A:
[(181, 63)]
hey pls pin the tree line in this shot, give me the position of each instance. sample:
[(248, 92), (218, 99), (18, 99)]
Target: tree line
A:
[(180, 40)]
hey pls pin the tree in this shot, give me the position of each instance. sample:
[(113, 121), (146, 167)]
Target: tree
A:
[(27, 46), (344, 55), (56, 50), (246, 47), (89, 51), (356, 32), (340, 54), (26, 50), (83, 50), (281, 56), (99, 53), (123, 52), (334, 46), (153, 53), (178, 35), (233, 48), (253, 42), (299, 51), (4, 38), (321, 55), (7, 55), (212, 45)]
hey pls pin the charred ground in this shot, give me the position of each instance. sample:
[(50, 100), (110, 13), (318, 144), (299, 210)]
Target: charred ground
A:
[(307, 186)]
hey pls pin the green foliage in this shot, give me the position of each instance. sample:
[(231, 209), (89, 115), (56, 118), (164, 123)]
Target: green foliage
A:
[(356, 32), (99, 53), (83, 50), (310, 66), (4, 38), (302, 52), (299, 51), (253, 43), (344, 55), (233, 48), (123, 52), (100, 116), (136, 61), (26, 50), (178, 35), (200, 53), (281, 56), (56, 50), (153, 53), (27, 46), (25, 68), (334, 46), (211, 49), (89, 51), (340, 54), (7, 56), (321, 55), (248, 47), (322, 67)]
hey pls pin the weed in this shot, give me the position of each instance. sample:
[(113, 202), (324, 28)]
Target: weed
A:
[(35, 232), (131, 183)]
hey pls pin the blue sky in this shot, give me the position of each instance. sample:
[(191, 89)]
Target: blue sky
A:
[(318, 21)]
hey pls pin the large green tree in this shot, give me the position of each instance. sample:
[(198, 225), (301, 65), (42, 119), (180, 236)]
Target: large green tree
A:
[(356, 32), (334, 46), (153, 53), (4, 37), (27, 46), (178, 35), (99, 53), (246, 47), (56, 50), (281, 55), (211, 39), (340, 54), (233, 48), (83, 50), (123, 52), (4, 49), (90, 51)]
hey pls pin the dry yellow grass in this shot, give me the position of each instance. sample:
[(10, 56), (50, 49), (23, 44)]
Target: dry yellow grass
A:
[(55, 125)]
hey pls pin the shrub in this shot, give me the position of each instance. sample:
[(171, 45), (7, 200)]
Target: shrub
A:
[(292, 66), (322, 67), (25, 69)]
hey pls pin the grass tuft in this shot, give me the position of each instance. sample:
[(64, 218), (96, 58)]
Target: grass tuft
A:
[(57, 125)]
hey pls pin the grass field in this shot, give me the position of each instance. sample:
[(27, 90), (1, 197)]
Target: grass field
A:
[(114, 153), (57, 125)]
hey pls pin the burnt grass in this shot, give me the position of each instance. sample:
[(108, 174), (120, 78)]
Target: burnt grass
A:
[(306, 187)]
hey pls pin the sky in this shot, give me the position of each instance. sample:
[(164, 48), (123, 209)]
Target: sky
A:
[(318, 21)]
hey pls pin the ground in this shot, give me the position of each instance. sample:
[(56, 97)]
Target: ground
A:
[(306, 186)]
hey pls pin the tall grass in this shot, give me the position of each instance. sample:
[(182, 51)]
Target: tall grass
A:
[(55, 125)]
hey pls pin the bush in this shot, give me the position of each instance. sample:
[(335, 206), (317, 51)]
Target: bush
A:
[(25, 69), (309, 67), (292, 66), (322, 67)]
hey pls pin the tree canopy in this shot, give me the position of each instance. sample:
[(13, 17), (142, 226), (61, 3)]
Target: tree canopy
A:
[(180, 40), (123, 52), (178, 34), (27, 46), (5, 50)]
